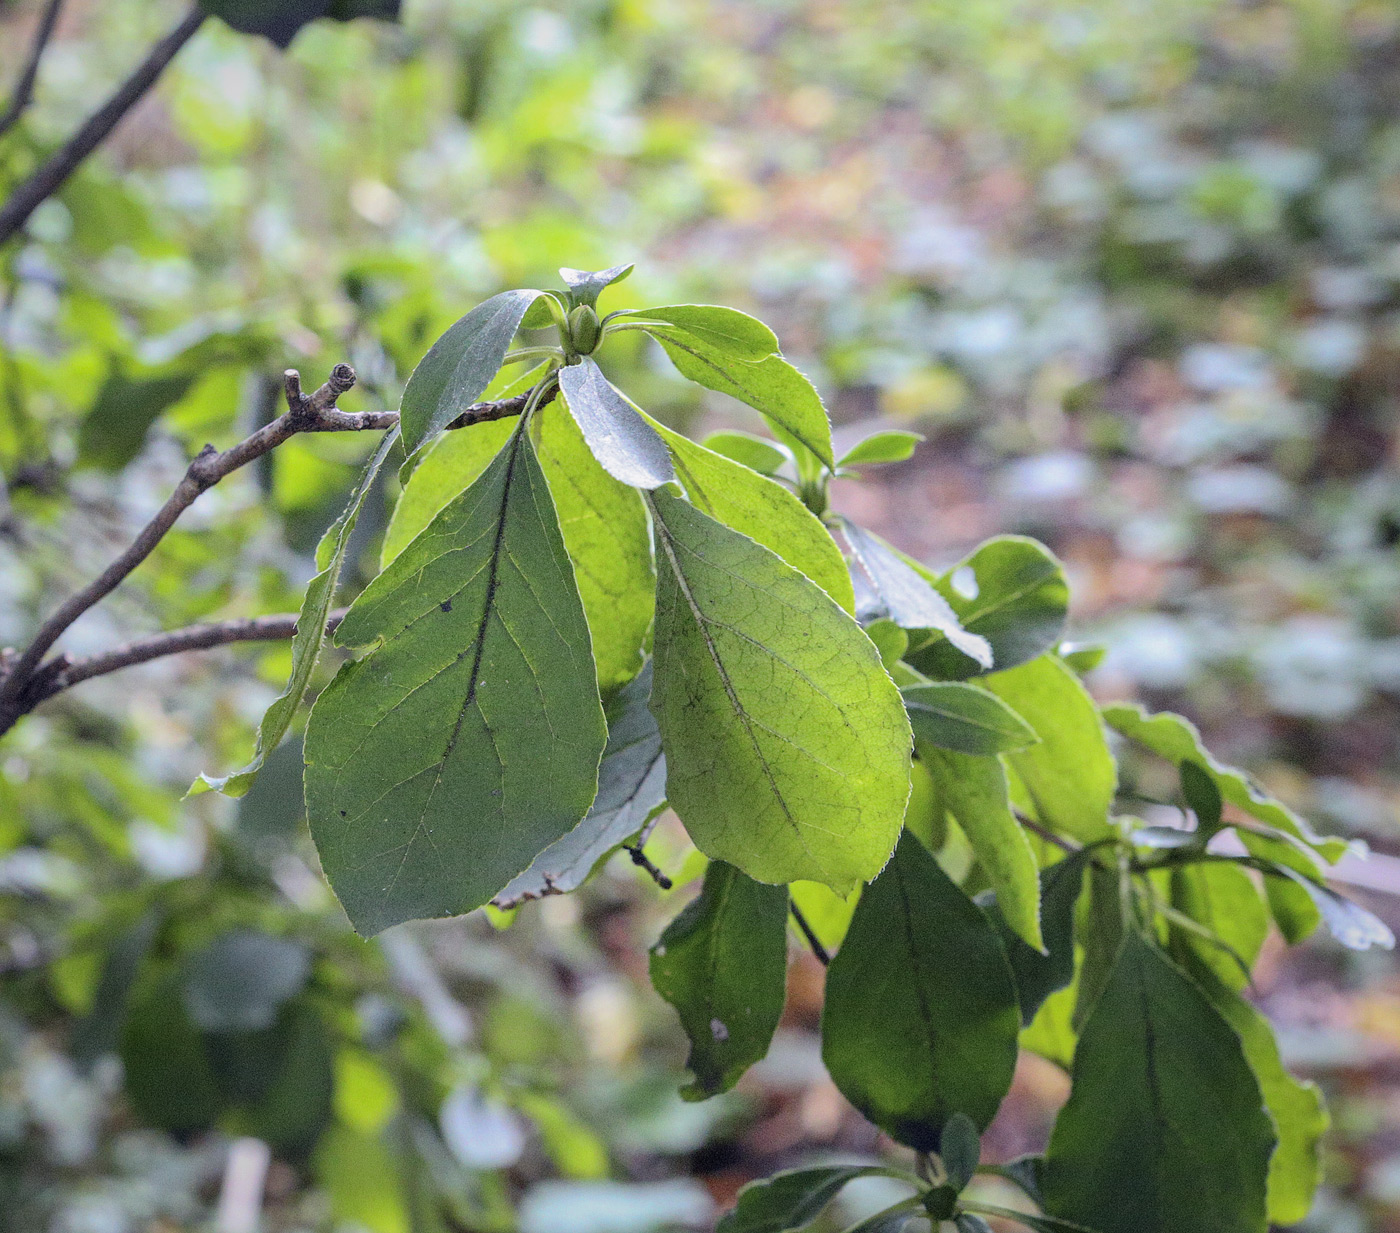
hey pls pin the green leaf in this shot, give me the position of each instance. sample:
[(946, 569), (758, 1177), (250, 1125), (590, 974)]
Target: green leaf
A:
[(1082, 657), (280, 20), (297, 1105), (467, 739), (460, 366), (1165, 1127), (893, 446), (787, 747), (1070, 776), (1019, 603), (973, 789), (310, 634), (167, 1074), (1202, 795), (772, 386), (722, 963), (239, 982), (1040, 973), (920, 1020), (604, 524), (764, 511), (960, 1150), (1038, 1224), (891, 1220), (1224, 899), (890, 641), (951, 715), (626, 446), (631, 789), (1297, 1109), (905, 596), (1025, 1172), (114, 430), (1351, 924), (585, 286), (757, 453), (1178, 740), (99, 1031), (794, 1198), (725, 330), (967, 1222), (1101, 937)]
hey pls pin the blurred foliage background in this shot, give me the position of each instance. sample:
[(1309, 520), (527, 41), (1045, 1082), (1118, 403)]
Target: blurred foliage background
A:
[(1133, 268)]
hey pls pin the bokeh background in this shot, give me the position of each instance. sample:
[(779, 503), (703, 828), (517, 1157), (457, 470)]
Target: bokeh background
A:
[(1133, 269)]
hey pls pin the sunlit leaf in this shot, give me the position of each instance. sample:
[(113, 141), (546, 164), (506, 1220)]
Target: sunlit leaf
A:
[(624, 444)]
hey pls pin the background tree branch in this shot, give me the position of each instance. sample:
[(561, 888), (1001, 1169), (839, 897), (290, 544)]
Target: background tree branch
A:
[(49, 178), (24, 87)]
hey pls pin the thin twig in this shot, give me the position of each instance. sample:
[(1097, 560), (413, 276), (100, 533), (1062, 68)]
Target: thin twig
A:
[(24, 88), (49, 178), (27, 679), (823, 955), (1049, 836), (642, 861)]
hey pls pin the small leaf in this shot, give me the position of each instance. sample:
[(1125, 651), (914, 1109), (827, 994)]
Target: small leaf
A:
[(906, 597), (893, 446), (1165, 838), (623, 442), (1165, 1123), (1177, 739), (757, 453), (966, 1222), (772, 386), (1199, 788), (764, 511), (960, 1150), (1224, 899), (586, 285), (974, 790), (951, 715), (631, 789), (891, 1220), (239, 982), (787, 747), (1351, 924), (310, 634), (460, 365), (795, 1198), (1070, 776), (1012, 592), (467, 740), (726, 330), (722, 963), (920, 1020), (1041, 973), (1082, 657), (1037, 1224), (1101, 938), (890, 641), (1025, 1172)]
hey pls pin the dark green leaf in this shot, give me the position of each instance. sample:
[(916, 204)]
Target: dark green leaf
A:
[(907, 598), (1292, 907), (1070, 778), (114, 430), (763, 510), (1018, 601), (722, 963), (1101, 936), (974, 790), (891, 1220), (168, 1077), (890, 641), (239, 982), (1176, 739), (787, 746), (1039, 975), (280, 20), (757, 453), (460, 366), (311, 633), (1202, 795), (1299, 1115), (920, 1020), (99, 1031), (631, 788), (624, 444), (726, 330), (585, 286), (960, 1150), (772, 386), (1165, 1127), (793, 1199), (467, 740), (893, 446), (296, 1107), (961, 717)]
